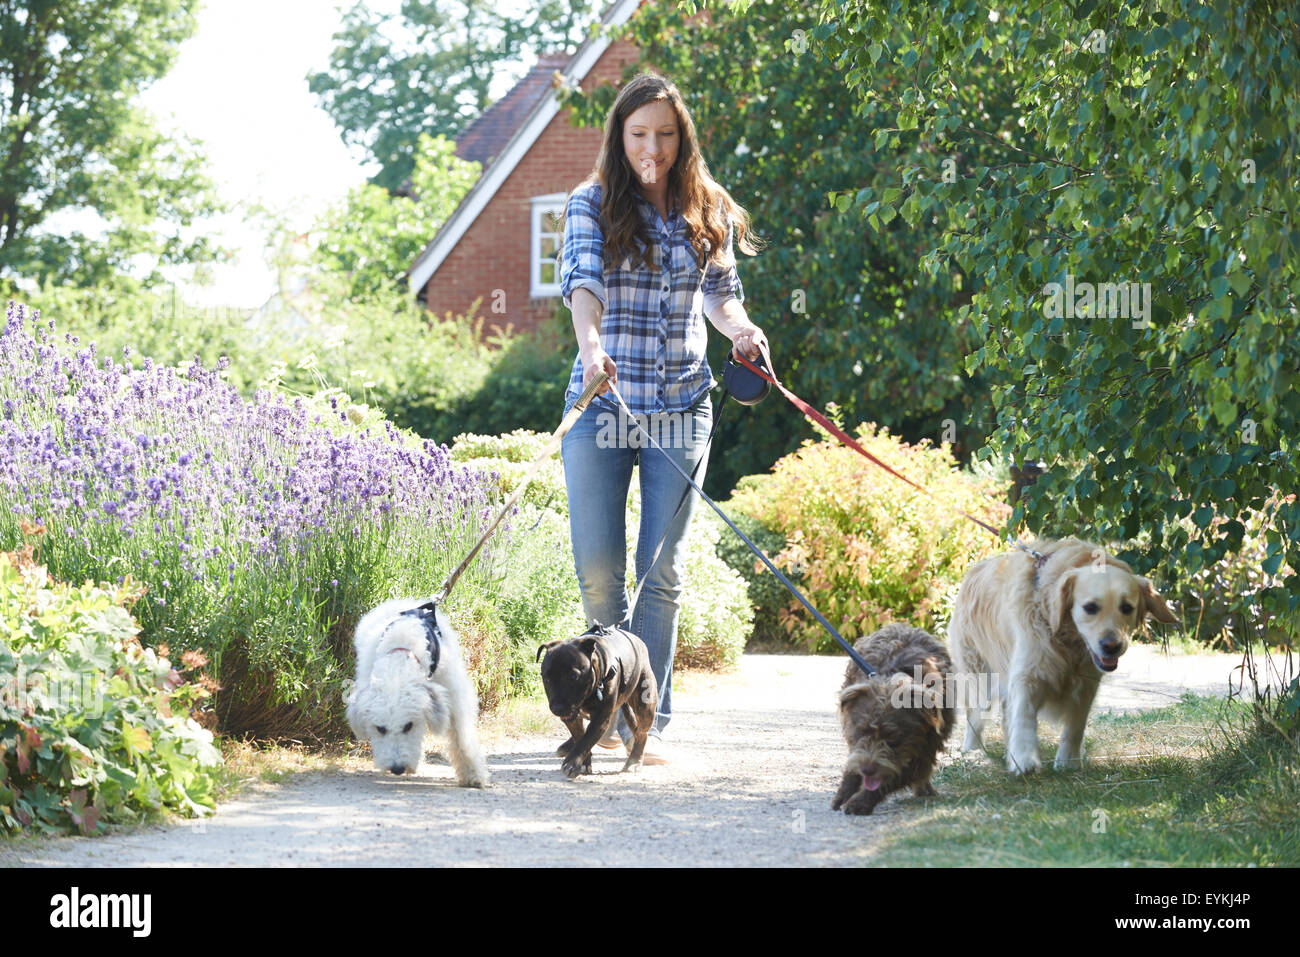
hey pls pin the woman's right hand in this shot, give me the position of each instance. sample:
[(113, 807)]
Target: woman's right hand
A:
[(598, 359)]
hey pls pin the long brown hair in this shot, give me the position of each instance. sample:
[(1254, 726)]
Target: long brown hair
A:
[(704, 205)]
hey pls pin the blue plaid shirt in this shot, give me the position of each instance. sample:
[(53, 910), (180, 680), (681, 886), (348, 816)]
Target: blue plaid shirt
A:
[(653, 325)]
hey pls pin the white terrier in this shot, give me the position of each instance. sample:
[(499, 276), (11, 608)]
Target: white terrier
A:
[(411, 681)]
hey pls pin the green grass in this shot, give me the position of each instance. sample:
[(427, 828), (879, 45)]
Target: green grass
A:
[(1196, 783)]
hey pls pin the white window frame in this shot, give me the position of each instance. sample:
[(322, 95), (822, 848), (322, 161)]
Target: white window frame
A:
[(541, 205)]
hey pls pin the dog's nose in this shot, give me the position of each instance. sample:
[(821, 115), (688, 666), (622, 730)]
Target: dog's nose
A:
[(1110, 646), (398, 768)]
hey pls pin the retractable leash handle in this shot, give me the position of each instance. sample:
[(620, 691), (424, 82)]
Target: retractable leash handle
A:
[(580, 406)]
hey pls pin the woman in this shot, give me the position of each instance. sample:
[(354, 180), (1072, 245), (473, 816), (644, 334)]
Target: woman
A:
[(647, 252)]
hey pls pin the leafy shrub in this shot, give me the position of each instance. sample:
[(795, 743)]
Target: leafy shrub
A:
[(538, 598), (872, 549), (508, 457), (716, 617), (522, 387), (1222, 602), (262, 529), (93, 727), (387, 351), (767, 595)]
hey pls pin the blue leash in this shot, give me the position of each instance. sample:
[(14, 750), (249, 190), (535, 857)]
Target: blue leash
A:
[(857, 658)]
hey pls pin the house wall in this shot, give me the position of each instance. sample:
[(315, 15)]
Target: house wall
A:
[(494, 252)]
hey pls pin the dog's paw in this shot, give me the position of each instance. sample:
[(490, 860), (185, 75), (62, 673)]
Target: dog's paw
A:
[(849, 785), (475, 779), (862, 803), (924, 790), (573, 769), (1065, 762), (563, 749), (1024, 764)]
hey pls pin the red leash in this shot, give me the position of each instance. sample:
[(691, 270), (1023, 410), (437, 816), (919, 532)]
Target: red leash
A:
[(815, 416)]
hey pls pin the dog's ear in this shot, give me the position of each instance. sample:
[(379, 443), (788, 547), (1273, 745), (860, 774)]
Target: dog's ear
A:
[(597, 655), (934, 717), (544, 648), (433, 707), (855, 691), (1061, 600), (1153, 604), (354, 714), (932, 689)]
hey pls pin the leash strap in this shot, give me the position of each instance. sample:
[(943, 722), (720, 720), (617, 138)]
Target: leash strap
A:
[(857, 658), (812, 414), (552, 444)]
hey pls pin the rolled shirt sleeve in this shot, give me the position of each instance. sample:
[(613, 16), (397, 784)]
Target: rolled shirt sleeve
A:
[(580, 262), (721, 283)]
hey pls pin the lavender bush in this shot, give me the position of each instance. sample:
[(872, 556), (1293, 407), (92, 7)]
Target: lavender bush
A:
[(262, 528)]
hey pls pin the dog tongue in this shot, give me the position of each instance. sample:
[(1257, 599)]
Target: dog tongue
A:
[(870, 783)]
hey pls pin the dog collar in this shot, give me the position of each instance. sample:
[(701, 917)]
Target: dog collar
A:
[(1039, 562), (428, 616)]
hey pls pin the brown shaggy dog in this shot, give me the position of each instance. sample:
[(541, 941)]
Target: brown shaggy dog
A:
[(1046, 632), (895, 724)]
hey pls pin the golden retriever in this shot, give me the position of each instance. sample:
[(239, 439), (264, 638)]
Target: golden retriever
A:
[(1045, 631)]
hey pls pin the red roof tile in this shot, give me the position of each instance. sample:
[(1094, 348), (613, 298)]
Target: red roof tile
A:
[(484, 138)]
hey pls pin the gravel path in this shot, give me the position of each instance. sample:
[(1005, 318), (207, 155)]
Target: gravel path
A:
[(757, 755)]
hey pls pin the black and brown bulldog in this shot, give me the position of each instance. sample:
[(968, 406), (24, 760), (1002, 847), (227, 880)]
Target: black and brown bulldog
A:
[(592, 676)]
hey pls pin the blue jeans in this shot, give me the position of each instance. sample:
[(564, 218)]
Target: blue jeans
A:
[(597, 474)]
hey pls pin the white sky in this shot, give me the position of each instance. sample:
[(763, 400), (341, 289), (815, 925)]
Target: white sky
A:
[(239, 85)]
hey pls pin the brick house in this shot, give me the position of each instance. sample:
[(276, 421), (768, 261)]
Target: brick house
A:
[(499, 245)]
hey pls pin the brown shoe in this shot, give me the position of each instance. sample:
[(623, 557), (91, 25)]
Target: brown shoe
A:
[(656, 752), (611, 740)]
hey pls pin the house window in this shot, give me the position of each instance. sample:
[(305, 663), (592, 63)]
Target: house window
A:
[(548, 211)]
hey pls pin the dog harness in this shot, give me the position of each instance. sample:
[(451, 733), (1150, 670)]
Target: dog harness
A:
[(428, 616), (612, 631)]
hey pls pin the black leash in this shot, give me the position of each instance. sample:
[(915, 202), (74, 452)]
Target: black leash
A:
[(857, 658)]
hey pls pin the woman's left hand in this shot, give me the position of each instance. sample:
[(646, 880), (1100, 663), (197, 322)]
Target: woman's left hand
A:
[(748, 343)]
